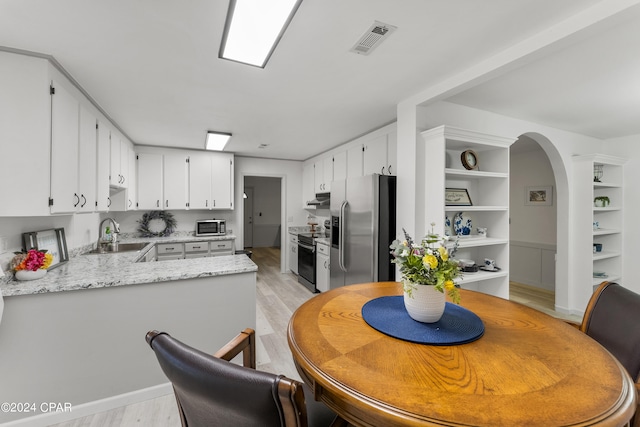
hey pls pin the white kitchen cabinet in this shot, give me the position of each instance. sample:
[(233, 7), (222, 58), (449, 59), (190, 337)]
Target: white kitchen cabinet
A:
[(175, 181), (200, 181), (376, 158), (149, 181), (132, 193), (25, 135), (115, 176), (64, 196), (322, 267), (88, 161), (308, 186), (323, 175), (488, 189), (340, 166), (355, 161), (602, 225), (211, 181), (292, 253), (103, 168), (222, 180)]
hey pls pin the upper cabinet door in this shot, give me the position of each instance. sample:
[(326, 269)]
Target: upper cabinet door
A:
[(222, 181), (64, 151), (103, 168), (115, 178), (87, 165), (175, 182), (354, 161), (375, 156), (340, 166), (200, 182), (150, 181)]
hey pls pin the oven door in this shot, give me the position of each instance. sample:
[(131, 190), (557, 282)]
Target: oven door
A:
[(307, 264)]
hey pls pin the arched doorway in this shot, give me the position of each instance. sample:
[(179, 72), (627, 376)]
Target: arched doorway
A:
[(539, 228)]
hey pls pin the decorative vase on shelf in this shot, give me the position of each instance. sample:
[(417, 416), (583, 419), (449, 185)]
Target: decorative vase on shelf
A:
[(30, 275), (424, 303)]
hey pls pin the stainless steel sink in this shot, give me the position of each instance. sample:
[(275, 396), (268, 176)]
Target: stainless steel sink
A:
[(112, 248)]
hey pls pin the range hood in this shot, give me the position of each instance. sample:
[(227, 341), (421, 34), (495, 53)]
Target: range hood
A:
[(321, 200)]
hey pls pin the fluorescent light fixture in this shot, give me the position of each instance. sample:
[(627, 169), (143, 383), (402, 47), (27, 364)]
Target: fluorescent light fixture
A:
[(254, 28), (216, 140)]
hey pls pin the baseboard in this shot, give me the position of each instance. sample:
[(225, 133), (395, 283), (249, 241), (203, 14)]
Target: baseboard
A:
[(94, 407)]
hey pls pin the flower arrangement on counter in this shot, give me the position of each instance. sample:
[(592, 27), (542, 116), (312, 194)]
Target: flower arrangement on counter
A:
[(32, 260), (426, 263)]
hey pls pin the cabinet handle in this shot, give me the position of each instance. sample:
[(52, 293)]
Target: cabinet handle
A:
[(129, 202), (75, 195), (123, 179), (389, 169), (109, 202), (206, 203), (166, 203), (84, 201), (157, 203)]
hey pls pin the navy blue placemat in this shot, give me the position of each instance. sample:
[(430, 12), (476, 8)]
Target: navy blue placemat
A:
[(389, 316)]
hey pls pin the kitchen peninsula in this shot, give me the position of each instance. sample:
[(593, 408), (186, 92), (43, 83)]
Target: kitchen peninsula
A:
[(77, 335)]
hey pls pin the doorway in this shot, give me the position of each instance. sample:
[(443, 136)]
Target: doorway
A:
[(533, 225), (262, 211)]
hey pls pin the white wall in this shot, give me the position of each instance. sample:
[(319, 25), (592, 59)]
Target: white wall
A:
[(629, 147)]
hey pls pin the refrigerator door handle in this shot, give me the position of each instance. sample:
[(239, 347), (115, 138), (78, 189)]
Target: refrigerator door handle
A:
[(343, 209)]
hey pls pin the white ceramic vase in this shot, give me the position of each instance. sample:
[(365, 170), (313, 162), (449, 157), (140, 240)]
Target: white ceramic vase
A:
[(30, 275), (425, 304)]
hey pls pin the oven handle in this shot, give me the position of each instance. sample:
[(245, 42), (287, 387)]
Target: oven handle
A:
[(343, 213), (311, 248)]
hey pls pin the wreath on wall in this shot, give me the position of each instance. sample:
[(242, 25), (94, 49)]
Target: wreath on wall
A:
[(152, 222)]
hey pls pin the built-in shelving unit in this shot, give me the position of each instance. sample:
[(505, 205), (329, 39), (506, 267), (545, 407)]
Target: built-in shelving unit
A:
[(603, 222), (488, 188)]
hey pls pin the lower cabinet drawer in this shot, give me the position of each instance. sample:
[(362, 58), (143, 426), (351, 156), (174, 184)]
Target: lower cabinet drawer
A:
[(170, 248), (196, 255), (196, 247)]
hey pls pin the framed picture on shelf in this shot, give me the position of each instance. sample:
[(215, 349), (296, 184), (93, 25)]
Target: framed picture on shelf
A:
[(538, 196), (457, 197), (53, 241)]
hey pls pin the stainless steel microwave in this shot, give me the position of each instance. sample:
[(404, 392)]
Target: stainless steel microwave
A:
[(211, 227)]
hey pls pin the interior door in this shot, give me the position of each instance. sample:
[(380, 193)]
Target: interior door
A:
[(248, 217)]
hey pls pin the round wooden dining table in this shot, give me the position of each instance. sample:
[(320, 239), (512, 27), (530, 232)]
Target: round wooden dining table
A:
[(528, 369)]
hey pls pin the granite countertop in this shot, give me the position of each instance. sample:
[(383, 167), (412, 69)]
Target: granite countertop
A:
[(120, 269)]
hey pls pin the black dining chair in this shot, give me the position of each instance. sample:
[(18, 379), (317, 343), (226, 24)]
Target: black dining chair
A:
[(612, 318), (212, 391)]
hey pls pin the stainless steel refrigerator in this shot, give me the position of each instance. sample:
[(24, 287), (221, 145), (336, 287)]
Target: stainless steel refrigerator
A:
[(363, 224)]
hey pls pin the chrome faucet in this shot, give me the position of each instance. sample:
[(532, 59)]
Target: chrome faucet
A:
[(114, 233)]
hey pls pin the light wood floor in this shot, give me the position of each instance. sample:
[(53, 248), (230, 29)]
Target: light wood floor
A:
[(278, 296)]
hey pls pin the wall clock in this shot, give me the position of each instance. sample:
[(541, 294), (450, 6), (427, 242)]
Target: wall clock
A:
[(469, 159)]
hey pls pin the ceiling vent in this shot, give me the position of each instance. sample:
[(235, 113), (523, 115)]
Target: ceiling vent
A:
[(372, 38)]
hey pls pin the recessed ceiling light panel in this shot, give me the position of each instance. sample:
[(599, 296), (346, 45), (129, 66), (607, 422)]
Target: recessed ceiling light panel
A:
[(216, 141), (254, 28)]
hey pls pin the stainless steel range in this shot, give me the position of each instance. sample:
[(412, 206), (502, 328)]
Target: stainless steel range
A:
[(307, 260)]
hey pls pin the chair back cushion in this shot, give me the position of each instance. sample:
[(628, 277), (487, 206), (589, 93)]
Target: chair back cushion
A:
[(214, 392), (615, 323)]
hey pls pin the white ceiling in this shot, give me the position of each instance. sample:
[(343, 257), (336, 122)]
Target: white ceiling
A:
[(153, 66)]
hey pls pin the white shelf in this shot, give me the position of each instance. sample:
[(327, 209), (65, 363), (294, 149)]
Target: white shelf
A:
[(607, 209), (605, 255), (471, 242), (480, 276), (475, 208), (606, 231), (610, 278), (606, 185), (463, 173)]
